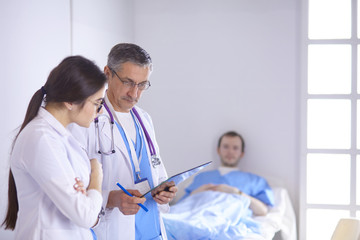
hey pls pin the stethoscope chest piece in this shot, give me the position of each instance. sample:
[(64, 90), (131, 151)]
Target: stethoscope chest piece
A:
[(155, 161)]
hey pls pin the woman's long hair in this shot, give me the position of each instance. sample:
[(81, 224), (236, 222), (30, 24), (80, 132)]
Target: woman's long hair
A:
[(73, 80)]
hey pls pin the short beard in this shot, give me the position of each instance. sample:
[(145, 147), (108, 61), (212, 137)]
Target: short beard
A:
[(230, 165)]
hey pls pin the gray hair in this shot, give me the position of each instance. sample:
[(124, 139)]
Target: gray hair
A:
[(128, 52)]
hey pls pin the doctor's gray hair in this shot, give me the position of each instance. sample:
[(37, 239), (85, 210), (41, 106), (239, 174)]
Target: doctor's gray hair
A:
[(73, 80), (128, 52)]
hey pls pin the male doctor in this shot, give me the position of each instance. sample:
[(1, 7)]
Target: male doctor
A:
[(125, 153)]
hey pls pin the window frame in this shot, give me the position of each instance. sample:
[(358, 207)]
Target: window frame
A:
[(354, 96)]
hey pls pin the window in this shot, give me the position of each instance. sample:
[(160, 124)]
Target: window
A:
[(330, 162)]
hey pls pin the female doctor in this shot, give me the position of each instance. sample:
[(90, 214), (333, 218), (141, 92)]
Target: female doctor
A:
[(45, 201)]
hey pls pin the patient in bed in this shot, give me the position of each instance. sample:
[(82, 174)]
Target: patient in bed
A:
[(229, 179), (219, 204)]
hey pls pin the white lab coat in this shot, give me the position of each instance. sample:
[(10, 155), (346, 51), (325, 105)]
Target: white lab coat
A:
[(117, 168), (45, 161)]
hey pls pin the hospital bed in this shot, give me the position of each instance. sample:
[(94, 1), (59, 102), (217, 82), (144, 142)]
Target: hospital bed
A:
[(222, 216)]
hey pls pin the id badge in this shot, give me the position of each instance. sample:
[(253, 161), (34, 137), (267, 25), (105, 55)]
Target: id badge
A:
[(142, 186)]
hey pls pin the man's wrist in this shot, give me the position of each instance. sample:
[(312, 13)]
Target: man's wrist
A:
[(110, 203)]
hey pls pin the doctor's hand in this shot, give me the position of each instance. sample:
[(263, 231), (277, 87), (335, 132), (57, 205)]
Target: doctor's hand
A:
[(164, 197), (79, 186), (126, 204)]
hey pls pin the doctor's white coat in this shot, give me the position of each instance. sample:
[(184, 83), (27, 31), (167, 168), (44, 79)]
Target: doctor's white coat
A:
[(45, 161), (117, 168)]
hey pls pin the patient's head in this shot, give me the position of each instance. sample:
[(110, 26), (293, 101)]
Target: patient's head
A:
[(231, 147)]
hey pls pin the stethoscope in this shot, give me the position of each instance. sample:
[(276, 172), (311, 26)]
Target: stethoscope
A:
[(155, 160)]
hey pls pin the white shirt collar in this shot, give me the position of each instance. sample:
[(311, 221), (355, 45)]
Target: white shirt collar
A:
[(43, 113), (225, 170)]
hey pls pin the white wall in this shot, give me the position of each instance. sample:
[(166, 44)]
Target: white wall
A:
[(36, 36), (219, 66), (33, 41), (98, 25)]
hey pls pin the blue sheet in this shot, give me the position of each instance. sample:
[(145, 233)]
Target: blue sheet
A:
[(210, 215)]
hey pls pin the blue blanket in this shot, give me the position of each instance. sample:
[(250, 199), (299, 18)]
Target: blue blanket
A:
[(210, 215)]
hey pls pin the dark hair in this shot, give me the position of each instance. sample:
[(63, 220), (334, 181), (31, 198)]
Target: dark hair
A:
[(233, 134), (128, 52), (73, 80)]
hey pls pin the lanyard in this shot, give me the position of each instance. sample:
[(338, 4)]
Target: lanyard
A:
[(139, 139), (126, 138), (135, 152), (135, 164)]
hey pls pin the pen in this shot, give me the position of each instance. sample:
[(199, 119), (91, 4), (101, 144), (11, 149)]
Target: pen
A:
[(125, 191)]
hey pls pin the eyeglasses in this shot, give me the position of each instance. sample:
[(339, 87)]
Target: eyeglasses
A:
[(98, 105), (131, 84)]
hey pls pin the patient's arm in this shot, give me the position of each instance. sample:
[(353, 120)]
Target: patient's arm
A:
[(258, 207), (205, 187)]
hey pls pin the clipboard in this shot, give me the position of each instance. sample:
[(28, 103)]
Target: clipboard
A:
[(175, 180)]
